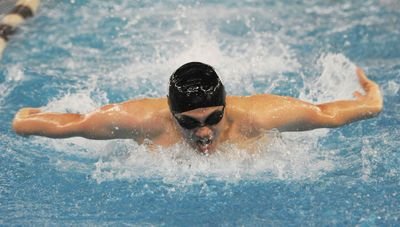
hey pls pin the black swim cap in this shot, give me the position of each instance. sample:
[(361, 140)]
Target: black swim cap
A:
[(195, 85)]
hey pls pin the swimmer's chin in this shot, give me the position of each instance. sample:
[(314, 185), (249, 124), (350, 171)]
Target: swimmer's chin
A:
[(205, 149)]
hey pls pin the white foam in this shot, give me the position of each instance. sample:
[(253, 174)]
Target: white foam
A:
[(264, 56), (84, 98), (392, 88), (285, 159), (13, 77), (290, 156), (80, 102), (338, 80)]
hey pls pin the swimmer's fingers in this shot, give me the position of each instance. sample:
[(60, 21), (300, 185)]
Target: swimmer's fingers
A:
[(26, 112), (367, 84), (358, 95), (361, 75), (373, 94)]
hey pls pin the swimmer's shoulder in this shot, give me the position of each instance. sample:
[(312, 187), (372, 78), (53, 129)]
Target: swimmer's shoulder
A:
[(153, 113), (142, 107), (146, 104), (249, 102)]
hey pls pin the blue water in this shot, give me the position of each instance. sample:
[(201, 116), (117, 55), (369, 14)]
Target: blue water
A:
[(77, 55)]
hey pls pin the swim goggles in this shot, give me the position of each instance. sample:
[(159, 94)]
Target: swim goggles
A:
[(191, 123)]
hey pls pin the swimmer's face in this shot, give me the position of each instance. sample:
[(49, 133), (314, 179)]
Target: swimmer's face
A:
[(201, 127)]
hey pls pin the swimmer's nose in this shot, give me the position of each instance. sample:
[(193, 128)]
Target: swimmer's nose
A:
[(204, 132)]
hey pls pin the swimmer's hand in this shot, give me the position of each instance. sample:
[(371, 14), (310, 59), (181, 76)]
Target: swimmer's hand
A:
[(21, 116), (26, 112), (372, 96)]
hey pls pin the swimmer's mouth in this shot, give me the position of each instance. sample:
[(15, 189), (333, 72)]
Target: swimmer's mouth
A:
[(204, 144)]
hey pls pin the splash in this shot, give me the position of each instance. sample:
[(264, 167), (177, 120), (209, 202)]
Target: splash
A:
[(338, 80), (281, 157), (80, 102), (14, 75)]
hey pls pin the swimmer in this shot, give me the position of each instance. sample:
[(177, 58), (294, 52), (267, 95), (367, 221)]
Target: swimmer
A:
[(198, 112)]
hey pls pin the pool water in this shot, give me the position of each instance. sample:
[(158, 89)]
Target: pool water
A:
[(78, 55)]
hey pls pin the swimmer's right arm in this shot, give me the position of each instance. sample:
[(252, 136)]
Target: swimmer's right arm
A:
[(95, 125), (32, 121), (108, 122)]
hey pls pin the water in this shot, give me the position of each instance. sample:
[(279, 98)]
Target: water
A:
[(75, 56)]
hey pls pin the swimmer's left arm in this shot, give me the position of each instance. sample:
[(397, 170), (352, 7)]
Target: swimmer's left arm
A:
[(289, 114)]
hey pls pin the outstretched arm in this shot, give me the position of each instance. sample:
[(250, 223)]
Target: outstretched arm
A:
[(126, 120), (32, 121), (364, 106), (289, 114)]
